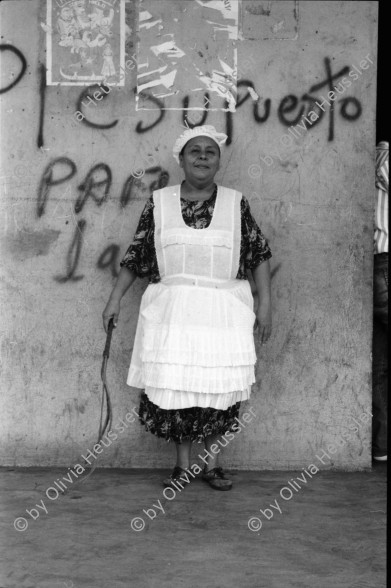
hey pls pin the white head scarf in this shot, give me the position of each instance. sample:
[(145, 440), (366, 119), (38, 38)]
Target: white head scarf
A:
[(205, 131)]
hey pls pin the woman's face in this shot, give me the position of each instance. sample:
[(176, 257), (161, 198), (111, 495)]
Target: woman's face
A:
[(200, 160)]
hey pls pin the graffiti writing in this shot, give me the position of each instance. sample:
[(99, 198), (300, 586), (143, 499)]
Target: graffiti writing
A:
[(91, 100), (21, 57), (47, 180), (290, 110), (42, 97), (91, 186), (322, 100), (139, 127), (109, 259), (133, 183), (73, 254), (96, 186)]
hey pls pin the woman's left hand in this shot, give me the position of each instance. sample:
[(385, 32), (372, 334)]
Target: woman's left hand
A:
[(263, 323)]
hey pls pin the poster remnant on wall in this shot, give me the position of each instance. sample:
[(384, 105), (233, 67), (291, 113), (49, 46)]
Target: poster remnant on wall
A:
[(187, 53), (270, 20), (85, 42)]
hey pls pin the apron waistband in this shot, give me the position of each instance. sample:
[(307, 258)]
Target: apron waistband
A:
[(188, 280)]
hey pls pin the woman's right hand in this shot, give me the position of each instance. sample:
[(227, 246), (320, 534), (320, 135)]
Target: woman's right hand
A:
[(111, 312)]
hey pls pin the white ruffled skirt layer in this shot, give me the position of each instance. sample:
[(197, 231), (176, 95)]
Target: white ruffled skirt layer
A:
[(194, 345), (175, 399)]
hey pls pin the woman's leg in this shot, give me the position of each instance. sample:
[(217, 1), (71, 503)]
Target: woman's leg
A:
[(211, 461), (215, 477), (182, 463), (183, 454)]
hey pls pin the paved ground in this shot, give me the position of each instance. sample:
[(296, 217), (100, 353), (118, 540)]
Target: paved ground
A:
[(330, 532)]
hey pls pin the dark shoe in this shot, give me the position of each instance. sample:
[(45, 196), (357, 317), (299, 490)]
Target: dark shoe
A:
[(216, 479), (178, 476)]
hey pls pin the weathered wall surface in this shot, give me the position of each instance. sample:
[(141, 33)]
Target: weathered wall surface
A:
[(70, 205)]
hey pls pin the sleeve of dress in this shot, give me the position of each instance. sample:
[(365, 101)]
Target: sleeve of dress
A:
[(254, 246), (141, 255)]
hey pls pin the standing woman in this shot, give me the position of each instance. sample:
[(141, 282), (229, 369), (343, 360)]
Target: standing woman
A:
[(194, 352)]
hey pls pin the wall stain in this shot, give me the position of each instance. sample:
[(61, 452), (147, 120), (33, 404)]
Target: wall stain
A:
[(258, 10), (73, 406), (30, 244)]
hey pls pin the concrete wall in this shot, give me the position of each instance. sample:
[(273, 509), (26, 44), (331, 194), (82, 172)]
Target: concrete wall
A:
[(70, 205)]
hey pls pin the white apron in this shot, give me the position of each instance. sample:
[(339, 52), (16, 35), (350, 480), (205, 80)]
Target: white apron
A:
[(194, 343)]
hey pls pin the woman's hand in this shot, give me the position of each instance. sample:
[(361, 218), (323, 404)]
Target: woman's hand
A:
[(111, 312), (263, 323), (124, 281)]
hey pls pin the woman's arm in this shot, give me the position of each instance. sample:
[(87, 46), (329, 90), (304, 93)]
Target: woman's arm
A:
[(124, 281), (261, 275), (139, 260)]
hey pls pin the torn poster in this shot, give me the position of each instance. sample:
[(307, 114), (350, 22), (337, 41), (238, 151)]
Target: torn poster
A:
[(85, 42), (187, 54)]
